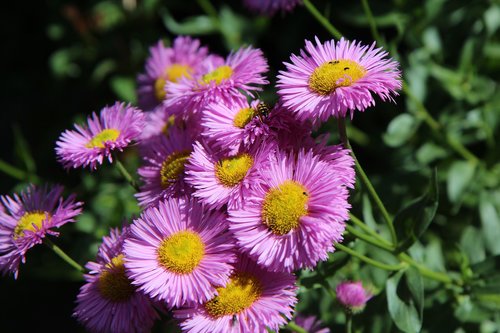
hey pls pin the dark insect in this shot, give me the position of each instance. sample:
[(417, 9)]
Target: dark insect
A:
[(305, 193), (262, 110), (235, 319), (346, 68), (334, 62)]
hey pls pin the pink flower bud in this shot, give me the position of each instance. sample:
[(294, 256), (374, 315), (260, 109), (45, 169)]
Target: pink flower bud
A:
[(352, 296)]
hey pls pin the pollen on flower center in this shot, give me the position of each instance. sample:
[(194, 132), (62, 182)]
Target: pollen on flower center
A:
[(108, 134), (181, 252), (172, 167), (243, 117), (113, 284), (239, 294), (230, 171), (218, 75), (29, 221), (284, 206), (172, 73), (333, 74)]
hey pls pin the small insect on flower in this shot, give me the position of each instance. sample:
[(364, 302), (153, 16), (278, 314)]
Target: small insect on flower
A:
[(262, 110)]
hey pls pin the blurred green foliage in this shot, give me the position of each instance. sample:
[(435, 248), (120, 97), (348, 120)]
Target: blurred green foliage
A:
[(67, 59)]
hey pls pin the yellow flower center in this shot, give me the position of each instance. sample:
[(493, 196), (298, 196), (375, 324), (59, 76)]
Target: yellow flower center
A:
[(333, 74), (108, 134), (173, 167), (218, 75), (172, 73), (28, 222), (168, 124), (284, 206), (113, 284), (239, 294), (230, 171), (243, 117), (181, 252)]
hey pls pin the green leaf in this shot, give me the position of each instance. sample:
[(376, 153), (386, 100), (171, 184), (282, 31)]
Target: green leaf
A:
[(412, 221), (197, 25), (400, 130), (23, 151), (460, 175), (491, 224), (472, 243), (405, 300), (124, 88)]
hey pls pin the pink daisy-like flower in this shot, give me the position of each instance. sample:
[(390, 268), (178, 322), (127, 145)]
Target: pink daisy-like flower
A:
[(333, 78), (311, 324), (352, 295), (108, 302), (115, 128), (253, 300), (178, 251), (292, 220), (163, 173), (220, 81), (166, 64), (270, 7), (220, 178), (27, 218), (236, 125)]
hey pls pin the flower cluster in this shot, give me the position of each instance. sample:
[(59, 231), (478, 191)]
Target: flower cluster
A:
[(237, 195)]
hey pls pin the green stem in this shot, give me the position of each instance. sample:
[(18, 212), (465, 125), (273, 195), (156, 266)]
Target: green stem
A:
[(348, 322), (371, 21), (295, 328), (63, 255), (322, 20), (370, 261), (126, 174), (442, 277), (369, 239), (366, 181), (368, 230)]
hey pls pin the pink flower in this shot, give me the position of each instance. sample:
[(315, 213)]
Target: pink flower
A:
[(115, 128), (333, 78), (352, 295)]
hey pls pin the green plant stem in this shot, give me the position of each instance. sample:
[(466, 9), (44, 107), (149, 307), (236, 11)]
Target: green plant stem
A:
[(296, 328), (322, 20), (63, 255), (436, 128), (348, 322), (126, 174), (368, 239), (366, 181), (370, 261), (442, 277), (357, 221), (371, 21)]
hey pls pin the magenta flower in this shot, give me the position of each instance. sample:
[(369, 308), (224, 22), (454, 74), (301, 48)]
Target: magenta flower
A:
[(311, 324), (108, 302), (26, 218), (333, 78), (253, 300), (178, 251), (352, 295), (270, 7), (292, 220), (220, 178), (163, 172), (115, 128), (235, 125), (167, 64), (221, 81)]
